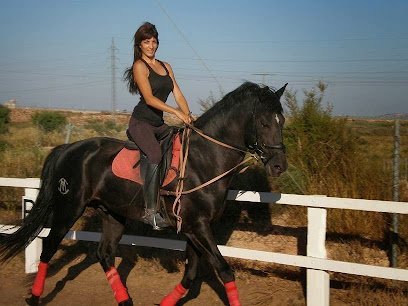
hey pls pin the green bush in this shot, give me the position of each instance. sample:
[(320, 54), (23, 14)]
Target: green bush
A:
[(49, 121), (111, 125), (103, 128), (324, 154), (4, 119)]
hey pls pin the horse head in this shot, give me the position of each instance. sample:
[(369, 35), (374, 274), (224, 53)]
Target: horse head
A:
[(264, 131), (250, 116)]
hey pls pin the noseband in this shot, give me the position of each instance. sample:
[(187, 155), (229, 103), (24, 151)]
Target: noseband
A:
[(260, 150)]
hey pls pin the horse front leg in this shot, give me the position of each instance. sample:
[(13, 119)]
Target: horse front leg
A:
[(203, 240), (112, 230), (190, 272)]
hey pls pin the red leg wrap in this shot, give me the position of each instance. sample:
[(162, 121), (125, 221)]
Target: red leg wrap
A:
[(173, 297), (119, 291), (232, 293), (38, 286)]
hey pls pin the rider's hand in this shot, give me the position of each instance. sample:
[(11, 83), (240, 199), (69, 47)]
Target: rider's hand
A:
[(183, 117)]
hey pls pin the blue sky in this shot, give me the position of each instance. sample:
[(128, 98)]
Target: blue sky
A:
[(58, 53)]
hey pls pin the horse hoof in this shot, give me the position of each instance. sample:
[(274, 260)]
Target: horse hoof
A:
[(33, 300), (128, 302)]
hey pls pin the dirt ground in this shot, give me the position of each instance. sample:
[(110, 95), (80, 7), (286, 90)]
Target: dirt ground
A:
[(79, 280), (76, 278)]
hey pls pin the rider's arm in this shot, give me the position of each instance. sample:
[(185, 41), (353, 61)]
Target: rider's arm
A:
[(141, 74)]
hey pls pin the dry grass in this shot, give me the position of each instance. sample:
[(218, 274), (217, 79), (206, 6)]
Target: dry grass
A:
[(361, 295), (353, 236)]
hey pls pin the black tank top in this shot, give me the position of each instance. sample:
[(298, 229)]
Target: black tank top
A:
[(161, 86)]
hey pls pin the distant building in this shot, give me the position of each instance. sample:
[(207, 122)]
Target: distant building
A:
[(10, 103)]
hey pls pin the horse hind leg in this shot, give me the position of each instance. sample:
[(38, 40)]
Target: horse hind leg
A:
[(60, 225), (112, 230)]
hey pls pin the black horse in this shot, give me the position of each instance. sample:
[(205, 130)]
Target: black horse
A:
[(249, 119)]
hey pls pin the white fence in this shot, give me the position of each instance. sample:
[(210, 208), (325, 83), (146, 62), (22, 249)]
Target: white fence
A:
[(315, 262)]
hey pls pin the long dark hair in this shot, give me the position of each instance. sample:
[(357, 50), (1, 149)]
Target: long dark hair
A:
[(145, 31)]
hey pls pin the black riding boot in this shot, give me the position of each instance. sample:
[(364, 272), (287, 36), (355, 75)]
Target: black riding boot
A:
[(151, 195)]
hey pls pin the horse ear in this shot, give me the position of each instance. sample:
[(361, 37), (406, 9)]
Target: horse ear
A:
[(280, 92)]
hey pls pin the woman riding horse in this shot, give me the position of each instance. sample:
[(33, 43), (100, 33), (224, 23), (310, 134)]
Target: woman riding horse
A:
[(153, 80), (247, 121)]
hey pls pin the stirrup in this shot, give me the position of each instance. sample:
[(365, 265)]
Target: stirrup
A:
[(155, 220)]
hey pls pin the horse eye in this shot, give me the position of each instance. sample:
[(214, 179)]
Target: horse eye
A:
[(264, 125)]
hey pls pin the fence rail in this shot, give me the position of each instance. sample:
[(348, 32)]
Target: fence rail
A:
[(315, 262)]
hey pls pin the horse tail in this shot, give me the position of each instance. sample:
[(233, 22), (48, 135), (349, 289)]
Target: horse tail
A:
[(12, 244)]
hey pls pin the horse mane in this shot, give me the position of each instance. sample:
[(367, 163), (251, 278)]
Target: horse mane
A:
[(243, 98)]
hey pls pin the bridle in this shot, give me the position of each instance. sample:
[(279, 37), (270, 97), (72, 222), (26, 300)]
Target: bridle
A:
[(260, 149)]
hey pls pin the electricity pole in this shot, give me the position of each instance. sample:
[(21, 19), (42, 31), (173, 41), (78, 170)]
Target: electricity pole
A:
[(113, 72)]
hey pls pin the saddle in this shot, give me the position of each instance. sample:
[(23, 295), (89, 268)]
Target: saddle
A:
[(128, 163)]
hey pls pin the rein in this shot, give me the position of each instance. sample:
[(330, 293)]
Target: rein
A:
[(183, 162), (201, 133)]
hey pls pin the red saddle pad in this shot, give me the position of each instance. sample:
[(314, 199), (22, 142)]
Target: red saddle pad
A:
[(122, 165)]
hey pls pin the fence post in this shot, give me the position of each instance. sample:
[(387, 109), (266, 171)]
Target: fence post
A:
[(395, 193), (317, 281), (33, 250), (69, 128)]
